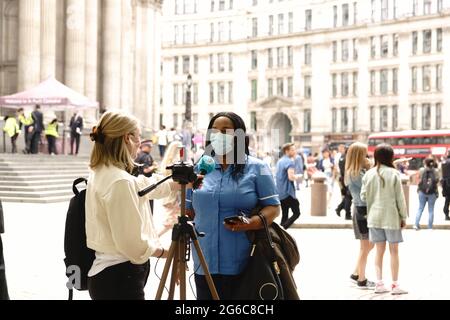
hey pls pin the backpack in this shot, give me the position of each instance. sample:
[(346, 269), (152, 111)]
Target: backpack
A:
[(78, 257), (428, 182)]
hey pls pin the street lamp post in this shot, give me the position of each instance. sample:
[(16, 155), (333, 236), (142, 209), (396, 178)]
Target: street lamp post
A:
[(187, 128)]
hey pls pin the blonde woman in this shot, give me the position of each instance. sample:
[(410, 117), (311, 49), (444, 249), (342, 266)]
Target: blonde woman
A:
[(356, 165), (386, 213), (171, 204), (119, 224)]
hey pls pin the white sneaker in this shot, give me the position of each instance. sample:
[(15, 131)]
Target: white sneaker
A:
[(380, 288), (396, 290)]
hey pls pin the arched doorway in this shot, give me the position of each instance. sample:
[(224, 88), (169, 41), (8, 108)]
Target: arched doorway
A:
[(280, 128)]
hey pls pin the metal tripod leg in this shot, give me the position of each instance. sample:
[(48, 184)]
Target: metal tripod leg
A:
[(173, 249), (204, 265), (182, 267)]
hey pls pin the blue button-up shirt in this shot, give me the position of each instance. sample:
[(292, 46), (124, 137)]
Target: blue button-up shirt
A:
[(221, 196), (285, 186)]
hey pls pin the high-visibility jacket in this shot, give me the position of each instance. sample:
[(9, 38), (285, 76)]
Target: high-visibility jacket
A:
[(52, 130), (26, 121), (11, 127)]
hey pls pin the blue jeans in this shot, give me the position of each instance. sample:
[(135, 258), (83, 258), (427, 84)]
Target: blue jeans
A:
[(423, 199)]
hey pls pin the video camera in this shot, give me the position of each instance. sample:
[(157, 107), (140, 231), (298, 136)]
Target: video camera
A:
[(183, 173)]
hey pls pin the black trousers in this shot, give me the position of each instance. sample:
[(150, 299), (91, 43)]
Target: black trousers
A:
[(51, 144), (286, 204), (35, 139), (3, 286), (125, 281), (225, 286), (14, 143), (74, 140), (346, 203), (446, 205)]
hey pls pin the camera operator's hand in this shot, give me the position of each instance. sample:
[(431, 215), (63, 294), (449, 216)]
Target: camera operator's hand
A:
[(177, 186)]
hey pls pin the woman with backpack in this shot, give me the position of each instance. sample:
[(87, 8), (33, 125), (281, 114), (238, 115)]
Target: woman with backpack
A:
[(386, 213), (119, 224), (428, 191)]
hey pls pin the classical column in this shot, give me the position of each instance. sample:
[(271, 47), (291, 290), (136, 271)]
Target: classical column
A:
[(74, 70), (48, 38), (140, 63), (29, 44), (91, 53), (125, 57), (111, 75)]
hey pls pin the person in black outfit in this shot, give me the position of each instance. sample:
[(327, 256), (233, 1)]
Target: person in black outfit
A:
[(38, 127), (76, 128), (445, 167), (346, 202), (3, 286), (146, 160)]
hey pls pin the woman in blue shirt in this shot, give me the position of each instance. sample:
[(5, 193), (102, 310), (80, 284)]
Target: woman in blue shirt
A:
[(237, 185)]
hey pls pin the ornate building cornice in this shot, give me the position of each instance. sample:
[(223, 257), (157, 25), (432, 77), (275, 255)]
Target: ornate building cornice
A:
[(147, 3)]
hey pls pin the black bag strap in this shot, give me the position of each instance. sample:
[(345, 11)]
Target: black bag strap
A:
[(273, 256), (77, 182)]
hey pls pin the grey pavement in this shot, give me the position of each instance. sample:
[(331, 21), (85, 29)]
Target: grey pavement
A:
[(34, 254)]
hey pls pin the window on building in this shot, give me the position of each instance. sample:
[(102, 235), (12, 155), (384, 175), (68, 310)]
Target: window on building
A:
[(344, 84), (176, 35), (183, 95), (255, 2), (291, 22), (439, 6), (355, 84), (373, 48), (394, 9), (395, 80), (195, 6), (413, 117), (372, 118), (220, 32), (439, 77), (373, 10), (383, 118), (414, 42), (195, 93), (175, 120), (221, 92), (212, 5), (254, 90), (307, 54), (307, 121), (426, 78), (211, 63), (185, 35), (355, 50), (254, 61), (384, 46), (308, 19), (334, 51), (211, 92), (384, 10), (195, 34), (175, 95), (438, 116), (439, 40), (280, 23), (307, 80), (254, 27), (344, 119), (414, 79), (355, 12), (426, 116), (344, 49), (230, 30), (195, 64), (426, 6), (221, 5), (177, 6), (334, 85), (280, 86), (270, 87), (175, 65), (335, 16), (270, 25), (253, 121), (345, 15), (394, 117), (355, 119), (426, 41), (280, 57), (270, 58), (211, 34), (334, 120), (384, 81), (372, 82), (395, 44), (221, 62), (290, 82), (415, 7), (186, 64), (290, 56)]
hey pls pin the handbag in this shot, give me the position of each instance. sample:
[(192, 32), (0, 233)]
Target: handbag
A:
[(260, 279)]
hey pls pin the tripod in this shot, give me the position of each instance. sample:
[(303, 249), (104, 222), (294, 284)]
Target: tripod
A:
[(179, 254)]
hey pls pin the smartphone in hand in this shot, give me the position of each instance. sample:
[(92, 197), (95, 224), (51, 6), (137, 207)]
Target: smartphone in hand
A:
[(236, 219)]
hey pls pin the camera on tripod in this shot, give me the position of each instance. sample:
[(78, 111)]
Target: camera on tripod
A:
[(183, 173)]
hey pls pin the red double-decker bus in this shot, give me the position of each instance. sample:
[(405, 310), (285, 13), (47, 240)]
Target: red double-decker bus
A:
[(413, 144)]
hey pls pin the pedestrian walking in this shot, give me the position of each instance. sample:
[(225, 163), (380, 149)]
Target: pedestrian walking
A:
[(38, 128), (356, 165), (26, 121), (386, 213), (427, 191), (12, 129), (162, 141), (445, 182), (76, 129), (51, 133), (346, 202)]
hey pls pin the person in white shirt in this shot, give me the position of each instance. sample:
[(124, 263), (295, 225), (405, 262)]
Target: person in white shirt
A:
[(162, 140), (119, 224)]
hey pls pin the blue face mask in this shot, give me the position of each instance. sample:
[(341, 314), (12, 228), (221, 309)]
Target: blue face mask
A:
[(222, 143)]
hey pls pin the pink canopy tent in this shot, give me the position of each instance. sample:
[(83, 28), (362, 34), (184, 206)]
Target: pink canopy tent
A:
[(50, 93)]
